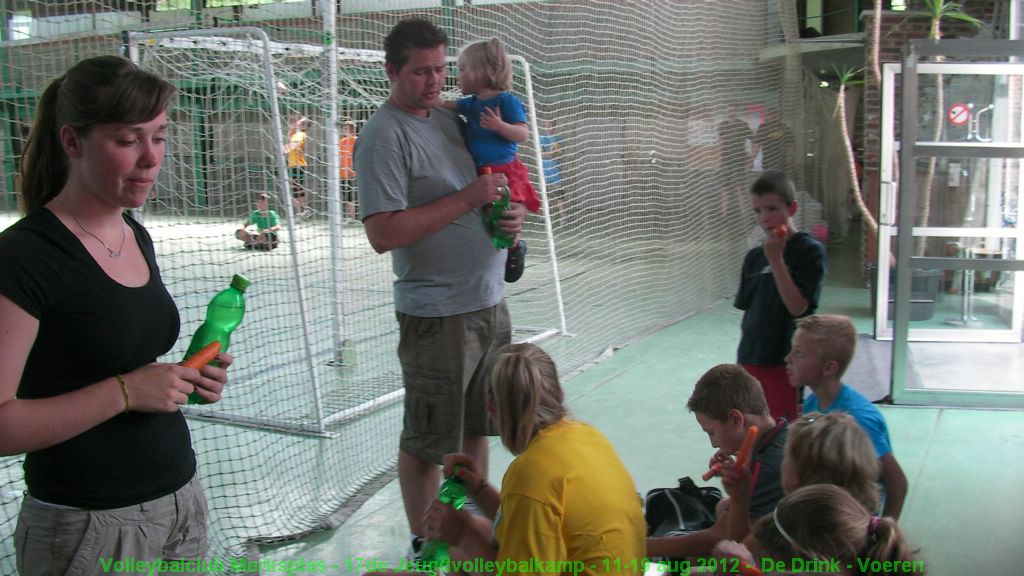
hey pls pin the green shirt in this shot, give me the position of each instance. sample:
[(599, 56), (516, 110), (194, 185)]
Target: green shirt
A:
[(263, 222)]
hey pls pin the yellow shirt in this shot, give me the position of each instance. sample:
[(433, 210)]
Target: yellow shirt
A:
[(297, 152), (568, 499)]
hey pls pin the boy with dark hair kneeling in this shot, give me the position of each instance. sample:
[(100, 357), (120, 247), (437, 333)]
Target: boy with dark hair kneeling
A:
[(727, 401)]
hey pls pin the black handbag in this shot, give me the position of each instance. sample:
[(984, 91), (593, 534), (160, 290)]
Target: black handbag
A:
[(687, 508)]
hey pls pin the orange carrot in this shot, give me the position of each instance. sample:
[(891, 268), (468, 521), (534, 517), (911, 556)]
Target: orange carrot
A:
[(486, 169), (205, 355), (742, 459), (743, 456), (781, 231), (715, 469)]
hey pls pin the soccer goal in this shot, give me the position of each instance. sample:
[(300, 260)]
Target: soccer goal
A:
[(319, 335)]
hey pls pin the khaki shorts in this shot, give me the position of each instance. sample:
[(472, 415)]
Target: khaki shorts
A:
[(446, 364), (53, 539)]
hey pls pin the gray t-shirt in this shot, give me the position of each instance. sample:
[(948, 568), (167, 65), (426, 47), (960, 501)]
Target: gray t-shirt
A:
[(404, 161)]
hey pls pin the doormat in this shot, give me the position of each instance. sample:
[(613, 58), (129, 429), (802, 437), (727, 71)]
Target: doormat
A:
[(870, 372)]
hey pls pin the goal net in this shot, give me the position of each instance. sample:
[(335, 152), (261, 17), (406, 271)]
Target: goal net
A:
[(321, 305), (646, 219)]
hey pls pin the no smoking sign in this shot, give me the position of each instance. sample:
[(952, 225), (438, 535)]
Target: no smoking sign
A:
[(959, 114)]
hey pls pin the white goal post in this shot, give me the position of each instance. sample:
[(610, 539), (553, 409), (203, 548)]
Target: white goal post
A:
[(243, 68)]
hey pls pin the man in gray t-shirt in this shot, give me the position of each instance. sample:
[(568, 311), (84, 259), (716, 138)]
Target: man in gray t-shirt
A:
[(420, 199)]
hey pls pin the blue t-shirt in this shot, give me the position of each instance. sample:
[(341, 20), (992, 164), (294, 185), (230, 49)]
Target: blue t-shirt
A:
[(487, 146), (550, 144), (863, 411)]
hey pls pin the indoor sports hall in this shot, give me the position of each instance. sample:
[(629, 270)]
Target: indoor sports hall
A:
[(644, 124)]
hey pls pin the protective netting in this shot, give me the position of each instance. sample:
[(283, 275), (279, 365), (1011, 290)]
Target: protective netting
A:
[(649, 216)]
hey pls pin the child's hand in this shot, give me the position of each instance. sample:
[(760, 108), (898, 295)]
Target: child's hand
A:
[(735, 480), (719, 458), (715, 464), (469, 474), (491, 118), (774, 245), (726, 549), (442, 522)]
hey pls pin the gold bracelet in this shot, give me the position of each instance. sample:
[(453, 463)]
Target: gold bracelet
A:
[(124, 391)]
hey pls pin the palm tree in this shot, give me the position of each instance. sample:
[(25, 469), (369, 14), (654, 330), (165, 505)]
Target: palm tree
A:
[(873, 46), (938, 10), (943, 9), (846, 77)]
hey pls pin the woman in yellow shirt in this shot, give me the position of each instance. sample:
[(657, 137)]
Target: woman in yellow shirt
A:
[(567, 503)]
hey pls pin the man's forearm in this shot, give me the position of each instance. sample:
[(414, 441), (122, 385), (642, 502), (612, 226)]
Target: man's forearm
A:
[(389, 230)]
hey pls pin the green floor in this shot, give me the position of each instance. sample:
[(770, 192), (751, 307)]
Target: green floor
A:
[(964, 466)]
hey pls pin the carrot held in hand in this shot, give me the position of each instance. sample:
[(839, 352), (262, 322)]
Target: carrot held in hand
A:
[(743, 456), (715, 469), (781, 231), (205, 355), (742, 460)]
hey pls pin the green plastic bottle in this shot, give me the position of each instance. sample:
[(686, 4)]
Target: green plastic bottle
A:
[(498, 208), (223, 315), (435, 552)]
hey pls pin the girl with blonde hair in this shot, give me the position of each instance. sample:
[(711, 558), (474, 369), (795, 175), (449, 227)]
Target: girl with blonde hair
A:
[(566, 497), (495, 123), (820, 449), (831, 449)]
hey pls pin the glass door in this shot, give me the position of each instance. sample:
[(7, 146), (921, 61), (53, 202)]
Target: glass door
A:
[(948, 290)]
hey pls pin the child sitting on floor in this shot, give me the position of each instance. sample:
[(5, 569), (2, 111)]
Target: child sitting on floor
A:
[(822, 529), (259, 231), (823, 346), (727, 401), (820, 449)]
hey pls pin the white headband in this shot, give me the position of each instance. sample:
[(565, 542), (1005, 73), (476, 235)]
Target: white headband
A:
[(778, 526)]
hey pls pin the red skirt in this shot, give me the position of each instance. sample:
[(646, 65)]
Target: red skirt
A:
[(519, 185)]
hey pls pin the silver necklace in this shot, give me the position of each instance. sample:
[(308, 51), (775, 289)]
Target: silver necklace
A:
[(113, 253)]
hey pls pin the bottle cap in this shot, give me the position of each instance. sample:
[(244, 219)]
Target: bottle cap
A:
[(240, 283)]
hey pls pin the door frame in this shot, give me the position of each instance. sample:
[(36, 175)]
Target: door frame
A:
[(903, 190)]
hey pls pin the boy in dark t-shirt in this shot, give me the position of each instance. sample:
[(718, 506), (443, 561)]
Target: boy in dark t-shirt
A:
[(726, 402), (781, 280)]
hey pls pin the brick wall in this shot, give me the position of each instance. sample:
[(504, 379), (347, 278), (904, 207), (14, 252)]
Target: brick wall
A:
[(897, 28)]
